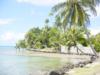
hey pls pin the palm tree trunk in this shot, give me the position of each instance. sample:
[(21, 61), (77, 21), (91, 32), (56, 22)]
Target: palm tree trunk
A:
[(80, 50), (77, 50), (69, 49), (87, 34), (91, 44)]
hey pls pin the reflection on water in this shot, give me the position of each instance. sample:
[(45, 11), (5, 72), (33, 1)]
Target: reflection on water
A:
[(25, 65)]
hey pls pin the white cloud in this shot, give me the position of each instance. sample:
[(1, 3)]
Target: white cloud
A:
[(5, 21), (40, 2), (11, 37), (94, 31)]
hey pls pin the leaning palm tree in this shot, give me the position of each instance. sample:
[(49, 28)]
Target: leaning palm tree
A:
[(76, 13), (75, 36)]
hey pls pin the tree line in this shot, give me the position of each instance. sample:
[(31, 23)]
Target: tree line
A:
[(72, 18)]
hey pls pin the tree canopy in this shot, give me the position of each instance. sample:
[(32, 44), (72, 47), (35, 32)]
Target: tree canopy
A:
[(69, 28)]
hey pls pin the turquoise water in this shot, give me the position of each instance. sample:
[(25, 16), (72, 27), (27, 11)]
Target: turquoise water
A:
[(25, 65)]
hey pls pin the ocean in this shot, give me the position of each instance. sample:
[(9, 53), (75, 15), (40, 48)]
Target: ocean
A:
[(7, 50), (12, 64)]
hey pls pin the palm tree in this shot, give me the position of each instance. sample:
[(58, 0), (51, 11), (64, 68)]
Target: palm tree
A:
[(58, 24), (54, 38), (32, 36), (96, 42), (75, 36), (75, 13), (21, 44)]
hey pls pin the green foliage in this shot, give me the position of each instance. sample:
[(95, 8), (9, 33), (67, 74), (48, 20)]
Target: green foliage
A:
[(52, 37), (75, 36), (97, 46), (21, 44), (96, 42), (69, 28), (38, 45), (74, 13), (46, 37), (32, 36)]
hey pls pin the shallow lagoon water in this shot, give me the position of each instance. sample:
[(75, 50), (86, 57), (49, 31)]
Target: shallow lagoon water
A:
[(25, 65)]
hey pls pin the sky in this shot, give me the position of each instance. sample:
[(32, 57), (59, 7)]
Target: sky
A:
[(18, 16)]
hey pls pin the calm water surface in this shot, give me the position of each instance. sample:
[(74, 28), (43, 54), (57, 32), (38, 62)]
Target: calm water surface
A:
[(25, 65)]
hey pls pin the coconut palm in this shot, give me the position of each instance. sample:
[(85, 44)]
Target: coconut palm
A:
[(75, 36), (54, 37), (96, 42), (45, 34), (21, 44), (32, 36), (76, 13), (58, 24)]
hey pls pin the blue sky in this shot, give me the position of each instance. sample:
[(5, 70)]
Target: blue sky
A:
[(18, 16)]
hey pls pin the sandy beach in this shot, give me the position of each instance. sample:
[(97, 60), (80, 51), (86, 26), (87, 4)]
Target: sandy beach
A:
[(59, 55), (89, 69)]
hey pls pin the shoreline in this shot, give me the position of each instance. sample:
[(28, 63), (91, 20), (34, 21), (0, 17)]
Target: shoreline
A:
[(63, 56), (59, 55), (46, 54), (89, 69), (51, 55)]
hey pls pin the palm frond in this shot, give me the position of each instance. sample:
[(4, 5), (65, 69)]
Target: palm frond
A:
[(58, 7)]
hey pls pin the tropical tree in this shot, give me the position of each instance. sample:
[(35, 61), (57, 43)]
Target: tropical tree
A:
[(45, 34), (21, 44), (54, 38), (58, 24), (96, 42), (73, 37), (76, 13), (32, 36)]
